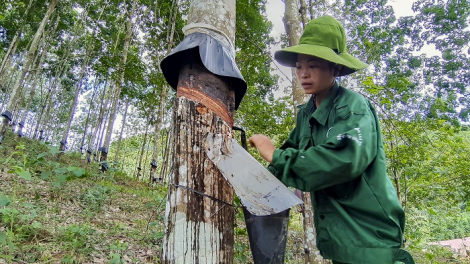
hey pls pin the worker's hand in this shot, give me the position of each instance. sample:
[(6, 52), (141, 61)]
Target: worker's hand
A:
[(264, 146)]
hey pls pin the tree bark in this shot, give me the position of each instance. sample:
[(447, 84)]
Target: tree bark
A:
[(142, 150), (303, 13), (158, 123), (122, 67), (6, 62), (26, 66), (164, 166), (65, 134), (52, 91), (292, 25), (122, 130), (99, 120), (200, 214), (12, 47), (87, 119), (38, 69)]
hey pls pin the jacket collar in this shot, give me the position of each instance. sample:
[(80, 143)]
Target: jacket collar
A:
[(321, 114)]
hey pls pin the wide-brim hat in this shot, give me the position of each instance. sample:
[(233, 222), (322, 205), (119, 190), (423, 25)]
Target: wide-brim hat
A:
[(323, 37)]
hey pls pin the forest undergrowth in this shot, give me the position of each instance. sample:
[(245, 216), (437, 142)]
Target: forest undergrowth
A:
[(57, 208)]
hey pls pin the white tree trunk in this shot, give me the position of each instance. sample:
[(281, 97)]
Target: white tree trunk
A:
[(27, 65), (122, 67)]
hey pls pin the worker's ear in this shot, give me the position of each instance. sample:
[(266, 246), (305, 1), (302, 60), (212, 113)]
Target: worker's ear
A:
[(337, 70)]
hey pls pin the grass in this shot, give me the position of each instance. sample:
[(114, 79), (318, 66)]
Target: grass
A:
[(56, 208), (68, 212)]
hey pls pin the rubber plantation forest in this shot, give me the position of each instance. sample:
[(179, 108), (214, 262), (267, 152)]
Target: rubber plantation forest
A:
[(88, 134)]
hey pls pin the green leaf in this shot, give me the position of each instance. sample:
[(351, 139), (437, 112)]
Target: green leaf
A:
[(3, 238), (78, 172), (53, 150), (24, 174), (158, 235), (41, 155), (61, 178), (36, 224), (4, 200), (61, 170), (45, 175), (29, 205)]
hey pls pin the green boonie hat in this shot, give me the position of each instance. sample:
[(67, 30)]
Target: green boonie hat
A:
[(324, 38)]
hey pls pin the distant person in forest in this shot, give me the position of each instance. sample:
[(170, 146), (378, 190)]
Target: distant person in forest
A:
[(336, 153)]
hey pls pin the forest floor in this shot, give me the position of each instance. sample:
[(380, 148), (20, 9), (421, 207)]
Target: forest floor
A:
[(56, 208)]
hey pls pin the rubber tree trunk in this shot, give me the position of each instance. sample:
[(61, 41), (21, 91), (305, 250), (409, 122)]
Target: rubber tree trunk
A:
[(293, 26), (6, 62), (27, 65), (65, 135), (159, 121), (123, 126), (38, 70), (87, 119), (166, 156), (99, 120), (142, 150), (118, 84), (45, 119), (158, 126), (199, 218), (303, 12)]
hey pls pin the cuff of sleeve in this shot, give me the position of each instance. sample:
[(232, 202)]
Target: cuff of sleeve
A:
[(277, 165)]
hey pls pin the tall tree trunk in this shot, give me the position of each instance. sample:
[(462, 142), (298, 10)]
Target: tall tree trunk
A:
[(65, 134), (199, 216), (143, 144), (102, 129), (52, 92), (99, 119), (118, 83), (45, 49), (292, 24), (87, 119), (26, 66), (166, 156), (158, 123), (37, 72), (123, 126), (303, 12), (6, 62), (12, 47)]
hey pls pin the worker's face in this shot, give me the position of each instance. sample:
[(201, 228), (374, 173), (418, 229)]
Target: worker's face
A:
[(315, 75)]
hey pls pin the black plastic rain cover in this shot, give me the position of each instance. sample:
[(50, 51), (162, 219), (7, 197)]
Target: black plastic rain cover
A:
[(214, 56)]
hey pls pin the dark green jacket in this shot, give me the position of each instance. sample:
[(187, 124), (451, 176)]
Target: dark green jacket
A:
[(337, 154)]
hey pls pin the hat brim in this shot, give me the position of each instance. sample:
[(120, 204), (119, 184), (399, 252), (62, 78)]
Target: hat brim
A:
[(288, 57)]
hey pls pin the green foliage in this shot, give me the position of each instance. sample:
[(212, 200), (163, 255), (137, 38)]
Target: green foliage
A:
[(94, 199), (4, 200), (118, 249), (20, 226), (429, 225), (75, 239)]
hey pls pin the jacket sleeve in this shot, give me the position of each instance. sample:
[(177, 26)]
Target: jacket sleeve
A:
[(291, 142), (350, 148)]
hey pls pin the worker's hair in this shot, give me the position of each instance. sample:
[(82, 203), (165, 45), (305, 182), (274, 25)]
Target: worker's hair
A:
[(335, 69)]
